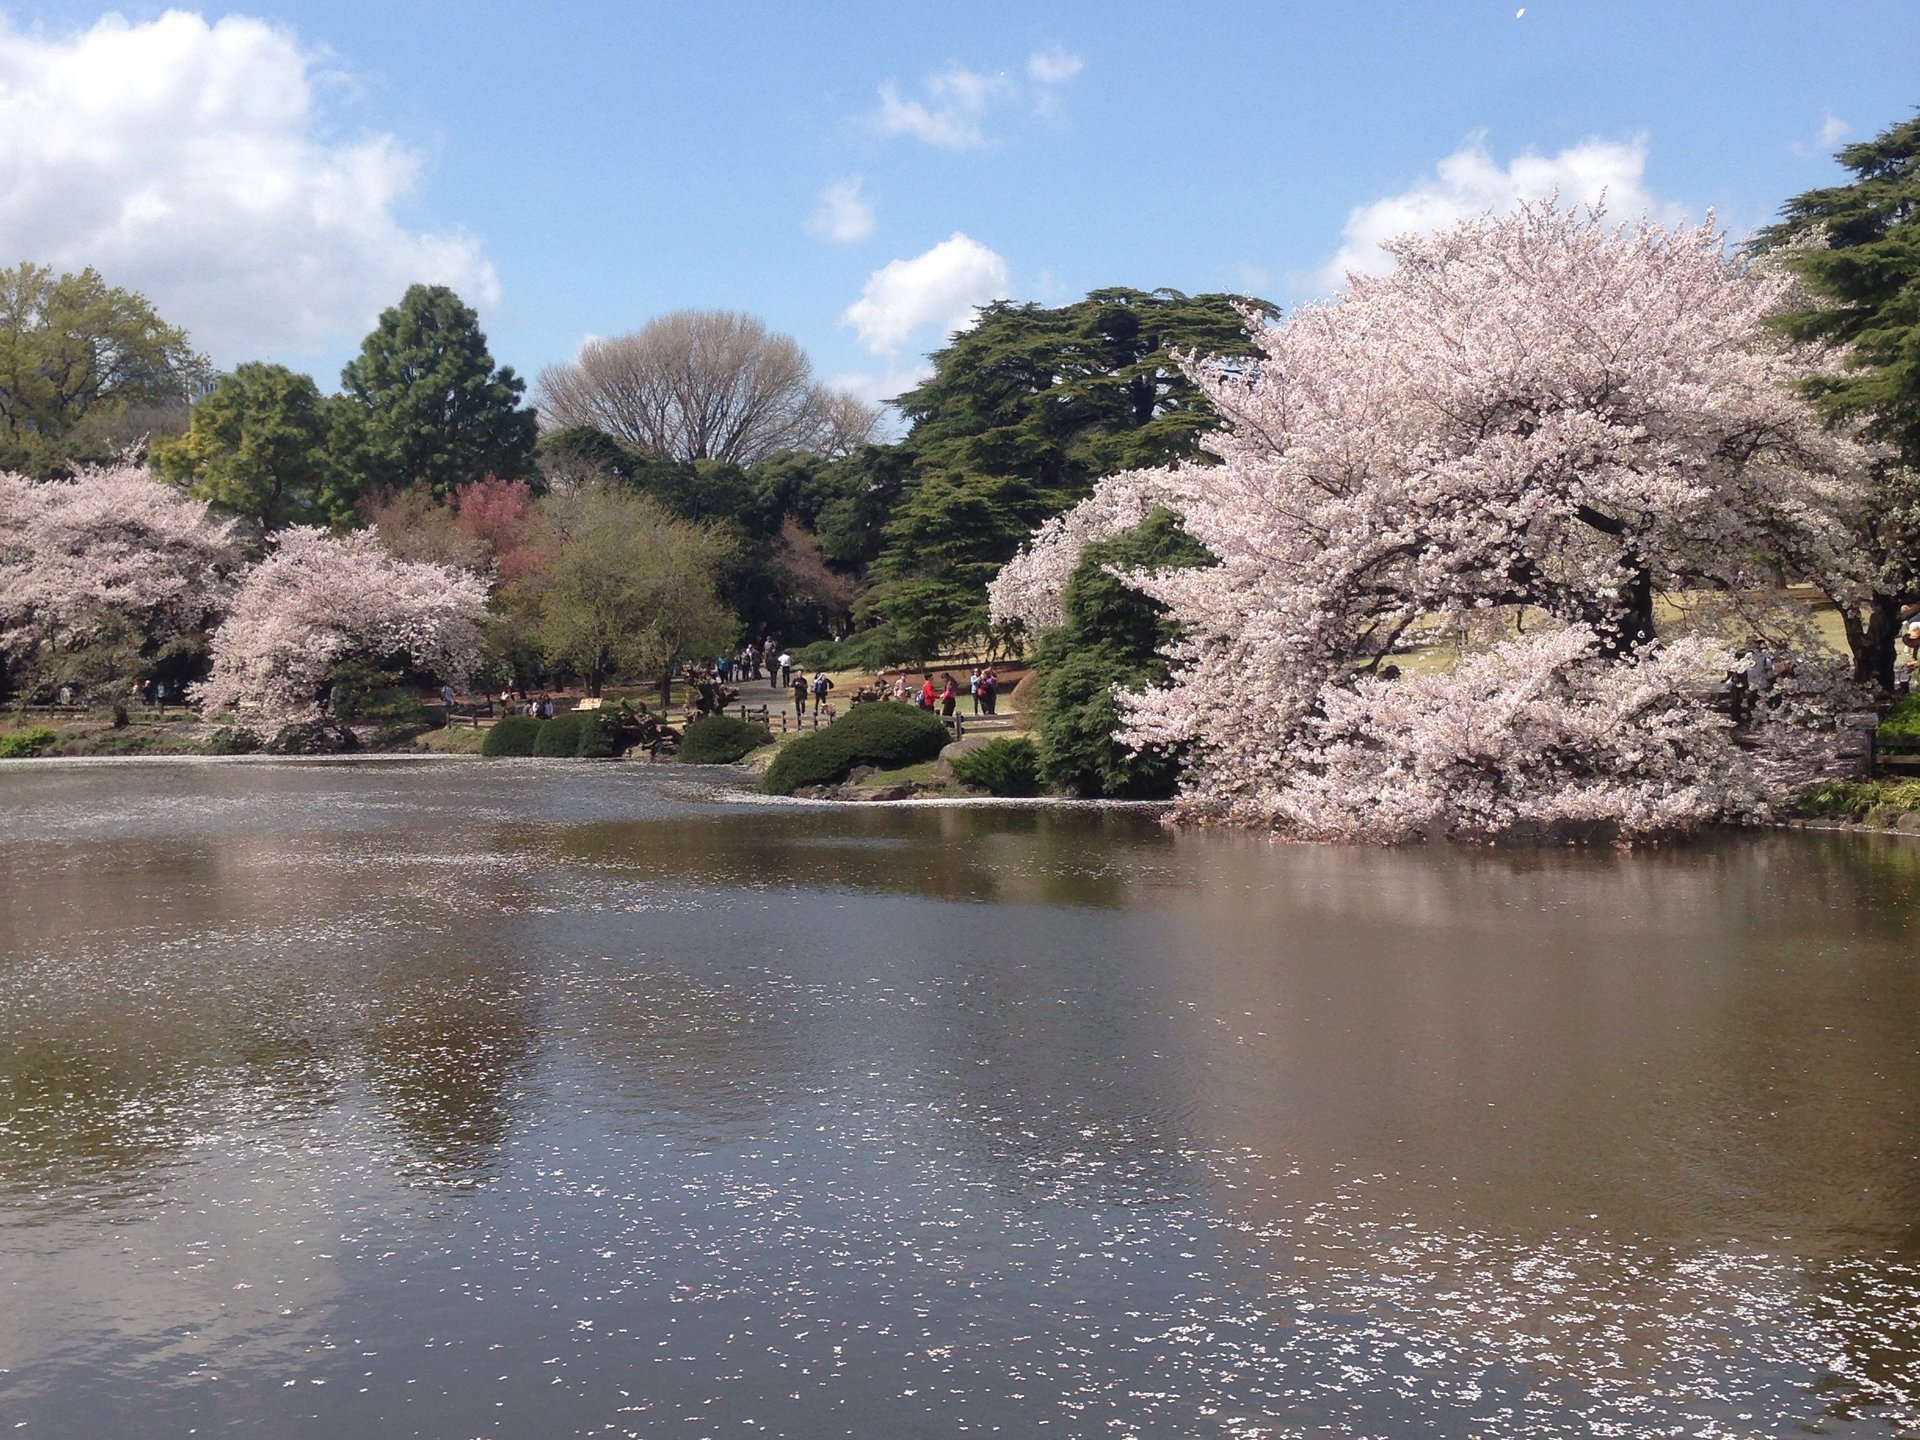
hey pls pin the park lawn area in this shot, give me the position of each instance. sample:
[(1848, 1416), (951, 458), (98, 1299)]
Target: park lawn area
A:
[(920, 774), (1438, 659), (452, 740)]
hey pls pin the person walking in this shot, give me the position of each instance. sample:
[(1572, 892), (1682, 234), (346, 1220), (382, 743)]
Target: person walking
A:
[(821, 685), (949, 696), (799, 688), (973, 688), (786, 668), (926, 690)]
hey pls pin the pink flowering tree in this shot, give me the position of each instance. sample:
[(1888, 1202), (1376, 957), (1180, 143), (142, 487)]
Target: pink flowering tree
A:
[(1027, 592), (1536, 420), (321, 600), (105, 575)]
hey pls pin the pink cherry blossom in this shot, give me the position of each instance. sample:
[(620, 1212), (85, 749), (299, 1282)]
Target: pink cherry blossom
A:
[(1536, 416), (322, 599), (112, 541)]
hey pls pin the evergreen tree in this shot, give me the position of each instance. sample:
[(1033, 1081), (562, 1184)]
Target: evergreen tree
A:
[(1023, 413), (426, 406), (1114, 637), (1865, 287)]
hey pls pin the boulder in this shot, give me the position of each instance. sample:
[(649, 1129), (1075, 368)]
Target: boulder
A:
[(943, 767)]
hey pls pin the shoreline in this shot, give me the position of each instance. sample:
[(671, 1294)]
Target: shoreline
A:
[(368, 757)]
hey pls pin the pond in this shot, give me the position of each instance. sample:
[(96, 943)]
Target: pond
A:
[(537, 1098)]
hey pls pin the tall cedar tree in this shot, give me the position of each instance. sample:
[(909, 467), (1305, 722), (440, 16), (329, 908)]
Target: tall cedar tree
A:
[(1023, 413), (426, 406), (1865, 284)]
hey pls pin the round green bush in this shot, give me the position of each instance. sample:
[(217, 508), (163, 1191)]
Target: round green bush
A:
[(599, 736), (512, 735), (559, 738), (721, 740), (890, 735), (1001, 767), (817, 758)]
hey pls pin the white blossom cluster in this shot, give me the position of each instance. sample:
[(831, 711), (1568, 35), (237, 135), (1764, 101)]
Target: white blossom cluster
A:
[(1029, 587), (110, 542), (319, 599), (1537, 412)]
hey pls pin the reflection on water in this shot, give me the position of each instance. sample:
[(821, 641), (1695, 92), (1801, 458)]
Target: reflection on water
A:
[(545, 1099)]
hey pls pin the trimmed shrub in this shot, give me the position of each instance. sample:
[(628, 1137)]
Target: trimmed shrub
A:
[(231, 740), (817, 758), (512, 735), (26, 743), (1002, 767), (721, 740), (399, 736), (559, 738), (877, 648), (1856, 799), (322, 737), (889, 734), (599, 737)]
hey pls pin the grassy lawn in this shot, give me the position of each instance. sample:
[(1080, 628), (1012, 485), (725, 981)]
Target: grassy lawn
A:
[(1438, 658)]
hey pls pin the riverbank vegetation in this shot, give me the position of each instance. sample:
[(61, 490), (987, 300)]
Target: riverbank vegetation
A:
[(1516, 537)]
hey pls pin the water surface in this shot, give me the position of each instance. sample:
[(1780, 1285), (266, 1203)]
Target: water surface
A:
[(536, 1098)]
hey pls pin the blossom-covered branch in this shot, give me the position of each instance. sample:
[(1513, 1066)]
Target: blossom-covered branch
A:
[(1535, 414), (111, 543), (321, 599)]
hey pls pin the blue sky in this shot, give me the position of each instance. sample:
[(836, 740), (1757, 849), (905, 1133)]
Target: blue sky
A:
[(859, 174)]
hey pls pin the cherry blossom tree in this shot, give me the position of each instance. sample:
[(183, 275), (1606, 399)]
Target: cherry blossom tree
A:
[(1538, 416), (1028, 589), (319, 600), (106, 570)]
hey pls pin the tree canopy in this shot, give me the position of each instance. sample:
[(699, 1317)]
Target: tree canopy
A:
[(625, 586), (703, 385), (1023, 413), (257, 448), (86, 369), (1535, 417), (425, 406), (1856, 251)]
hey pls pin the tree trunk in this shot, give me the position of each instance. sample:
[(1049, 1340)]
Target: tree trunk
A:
[(1631, 624), (1872, 643)]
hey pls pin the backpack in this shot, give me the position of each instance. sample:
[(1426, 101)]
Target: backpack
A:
[(819, 684)]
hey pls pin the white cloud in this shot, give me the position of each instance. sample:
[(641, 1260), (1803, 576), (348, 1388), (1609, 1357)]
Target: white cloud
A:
[(951, 116), (880, 388), (953, 111), (1469, 182), (187, 160), (1831, 132), (940, 288), (844, 214), (1055, 66)]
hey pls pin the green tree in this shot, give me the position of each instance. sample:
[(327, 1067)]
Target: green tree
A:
[(85, 370), (1864, 286), (424, 404), (1023, 414), (627, 587), (1114, 638), (257, 448)]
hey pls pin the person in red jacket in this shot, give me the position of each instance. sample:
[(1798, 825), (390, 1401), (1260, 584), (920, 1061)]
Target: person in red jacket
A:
[(926, 690)]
